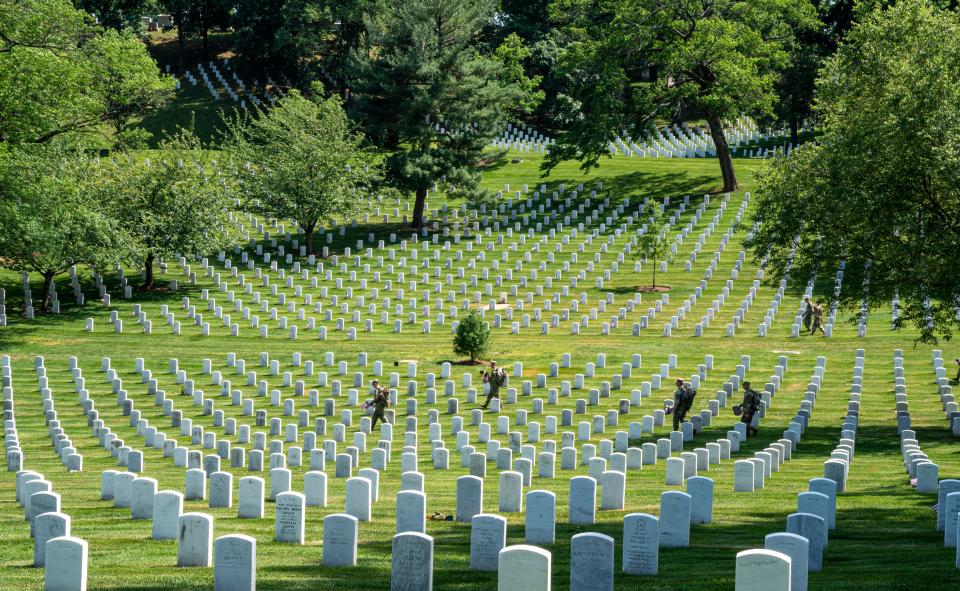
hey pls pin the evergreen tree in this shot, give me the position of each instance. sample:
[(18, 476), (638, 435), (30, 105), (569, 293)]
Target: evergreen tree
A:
[(430, 96), (472, 337)]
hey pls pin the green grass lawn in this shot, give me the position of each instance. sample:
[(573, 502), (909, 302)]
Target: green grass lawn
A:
[(886, 536)]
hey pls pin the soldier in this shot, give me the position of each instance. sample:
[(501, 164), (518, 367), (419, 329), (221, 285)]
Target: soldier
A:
[(749, 407), (958, 370), (682, 402), (494, 378), (807, 313), (381, 400), (817, 319)]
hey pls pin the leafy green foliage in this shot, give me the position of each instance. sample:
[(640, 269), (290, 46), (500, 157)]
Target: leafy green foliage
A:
[(428, 72), (307, 164), (59, 74), (129, 80), (512, 53), (881, 190), (52, 213), (638, 60), (472, 337), (174, 204)]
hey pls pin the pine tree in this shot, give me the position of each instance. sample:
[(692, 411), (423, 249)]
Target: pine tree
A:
[(430, 96), (472, 337)]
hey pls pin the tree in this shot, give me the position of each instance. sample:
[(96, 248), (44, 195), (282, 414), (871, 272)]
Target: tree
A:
[(61, 75), (129, 80), (318, 36), (472, 337), (175, 204), (795, 86), (307, 163), (881, 190), (640, 60), (429, 96), (653, 244), (513, 54), (51, 214), (256, 25), (117, 14)]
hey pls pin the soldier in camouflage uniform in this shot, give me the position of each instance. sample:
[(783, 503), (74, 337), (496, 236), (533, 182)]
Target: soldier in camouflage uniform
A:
[(749, 407), (496, 377), (682, 401), (817, 319), (381, 400), (807, 313)]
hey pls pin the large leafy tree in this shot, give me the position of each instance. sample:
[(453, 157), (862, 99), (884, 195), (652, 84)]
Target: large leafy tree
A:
[(174, 204), (640, 60), (59, 74), (430, 96), (307, 164), (882, 188), (129, 82), (53, 215)]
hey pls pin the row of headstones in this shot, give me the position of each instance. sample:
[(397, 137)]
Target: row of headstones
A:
[(42, 510), (951, 410), (948, 513), (66, 452), (922, 473), (11, 440), (837, 468), (787, 557)]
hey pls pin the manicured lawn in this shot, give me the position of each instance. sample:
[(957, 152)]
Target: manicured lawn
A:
[(886, 536)]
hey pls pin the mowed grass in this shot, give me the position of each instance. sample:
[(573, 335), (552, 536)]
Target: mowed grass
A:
[(886, 536)]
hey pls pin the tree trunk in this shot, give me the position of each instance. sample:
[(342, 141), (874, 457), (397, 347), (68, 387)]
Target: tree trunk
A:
[(47, 282), (794, 130), (723, 154), (148, 284), (654, 273), (180, 42), (418, 208), (206, 41), (308, 238)]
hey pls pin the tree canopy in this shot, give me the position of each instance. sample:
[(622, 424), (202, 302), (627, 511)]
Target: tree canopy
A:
[(174, 204), (635, 61), (306, 162), (61, 74), (881, 190), (53, 214)]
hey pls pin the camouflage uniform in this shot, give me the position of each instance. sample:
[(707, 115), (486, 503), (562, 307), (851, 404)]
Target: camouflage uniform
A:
[(380, 403), (817, 320), (749, 407), (682, 401), (496, 379)]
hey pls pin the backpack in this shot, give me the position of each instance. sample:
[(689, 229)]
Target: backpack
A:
[(688, 399)]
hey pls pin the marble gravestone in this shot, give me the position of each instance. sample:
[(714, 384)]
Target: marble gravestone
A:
[(412, 562)]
